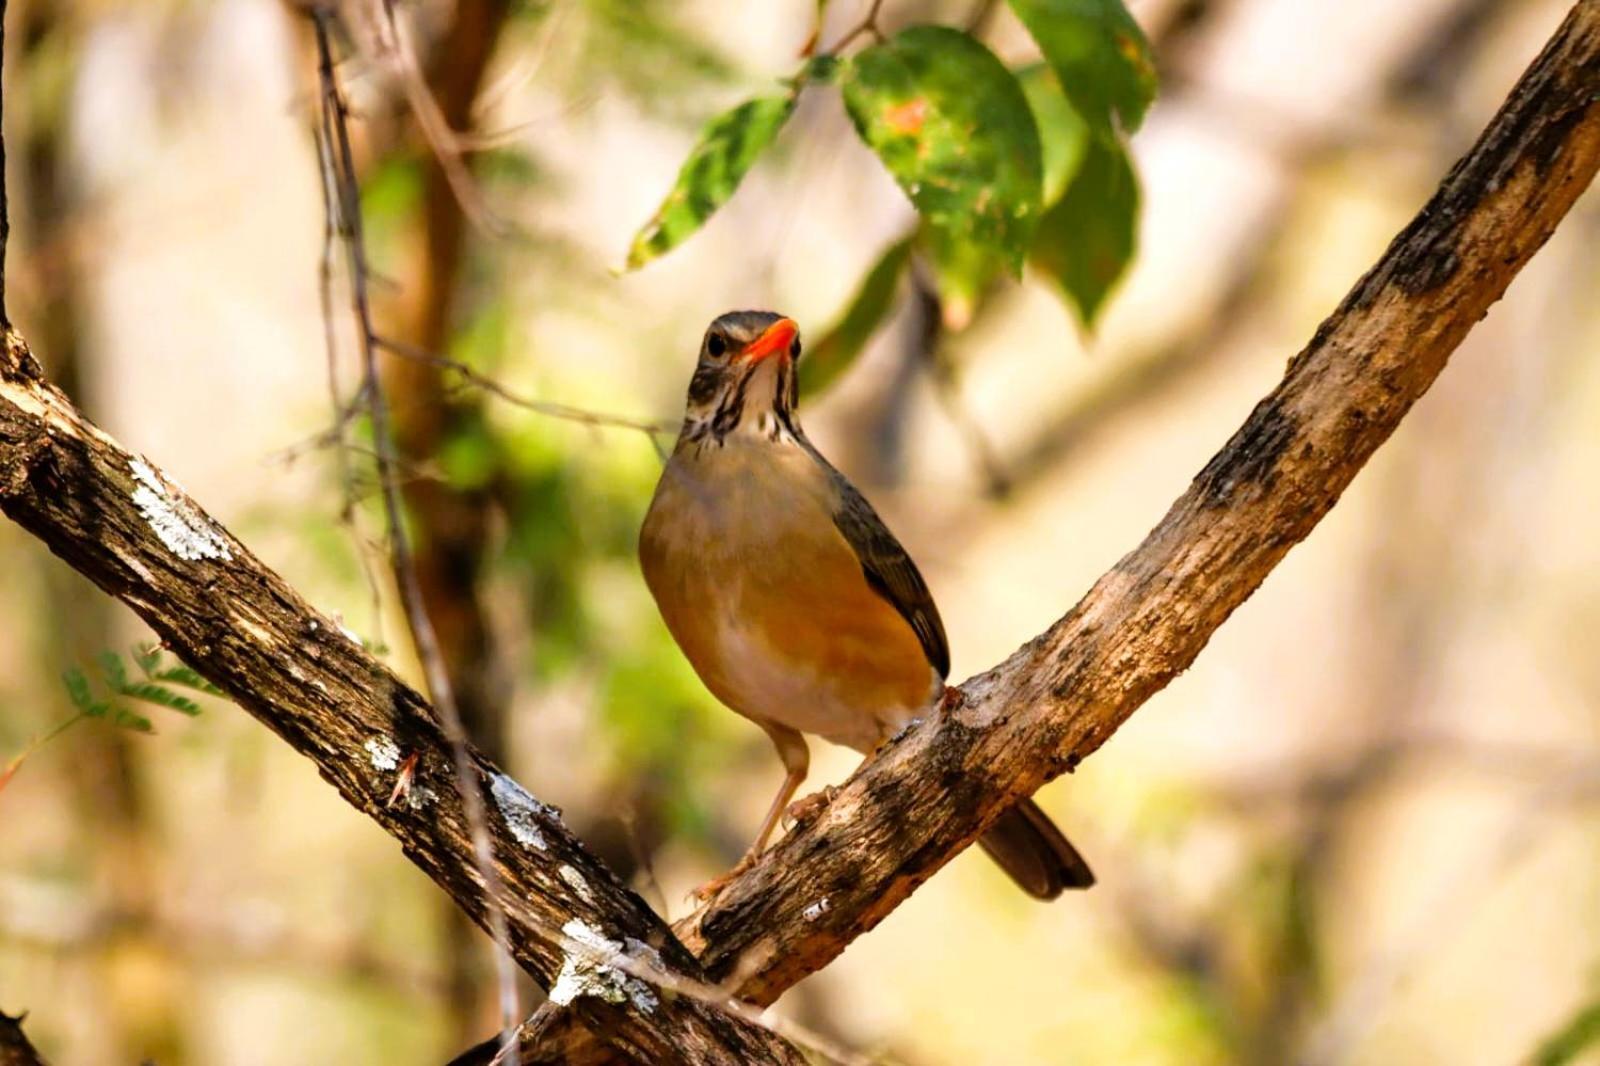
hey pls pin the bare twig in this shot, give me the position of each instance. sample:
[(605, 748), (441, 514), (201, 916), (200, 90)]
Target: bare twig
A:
[(867, 26), (565, 412), (397, 52), (344, 413), (346, 207)]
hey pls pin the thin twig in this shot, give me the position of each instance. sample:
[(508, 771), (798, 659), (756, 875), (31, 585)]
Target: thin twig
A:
[(867, 25), (395, 49), (343, 414), (335, 131), (566, 412)]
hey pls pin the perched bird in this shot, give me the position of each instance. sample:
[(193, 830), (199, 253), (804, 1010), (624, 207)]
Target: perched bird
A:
[(790, 597)]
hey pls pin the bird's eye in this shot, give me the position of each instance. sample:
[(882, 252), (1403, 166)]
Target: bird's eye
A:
[(716, 345)]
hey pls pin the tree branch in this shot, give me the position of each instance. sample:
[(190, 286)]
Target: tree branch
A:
[(935, 788), (116, 519)]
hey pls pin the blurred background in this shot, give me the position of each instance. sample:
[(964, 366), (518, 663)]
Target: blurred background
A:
[(1362, 829)]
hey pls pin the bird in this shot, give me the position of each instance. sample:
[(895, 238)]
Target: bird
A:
[(790, 597)]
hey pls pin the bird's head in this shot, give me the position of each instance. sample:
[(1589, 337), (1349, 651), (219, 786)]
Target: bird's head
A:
[(745, 379)]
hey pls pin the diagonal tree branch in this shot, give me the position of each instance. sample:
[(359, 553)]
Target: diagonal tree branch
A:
[(935, 788), (932, 790), (574, 926)]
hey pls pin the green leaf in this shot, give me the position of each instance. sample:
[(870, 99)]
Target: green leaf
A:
[(953, 127), (182, 675), (1087, 239), (1063, 135), (114, 670), (963, 272), (871, 304), (126, 719), (1577, 1034), (1100, 55), (728, 146), (77, 685), (164, 697)]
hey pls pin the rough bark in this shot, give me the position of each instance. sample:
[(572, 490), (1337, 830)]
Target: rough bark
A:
[(116, 519), (935, 788)]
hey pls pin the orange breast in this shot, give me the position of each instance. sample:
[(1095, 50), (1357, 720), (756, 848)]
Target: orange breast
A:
[(769, 602)]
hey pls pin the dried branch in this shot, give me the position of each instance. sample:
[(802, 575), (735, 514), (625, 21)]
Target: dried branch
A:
[(933, 789)]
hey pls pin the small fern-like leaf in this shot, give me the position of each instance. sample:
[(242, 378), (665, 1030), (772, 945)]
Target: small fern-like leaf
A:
[(126, 719), (77, 685), (151, 692), (114, 670), (182, 675)]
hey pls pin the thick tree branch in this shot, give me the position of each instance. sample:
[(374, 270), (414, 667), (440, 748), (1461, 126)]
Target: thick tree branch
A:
[(116, 519), (935, 788)]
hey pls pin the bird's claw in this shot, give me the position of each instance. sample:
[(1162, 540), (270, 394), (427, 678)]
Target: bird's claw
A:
[(713, 888), (806, 808)]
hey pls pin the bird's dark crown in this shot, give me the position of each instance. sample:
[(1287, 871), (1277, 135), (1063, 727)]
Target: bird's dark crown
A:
[(728, 390), (742, 326)]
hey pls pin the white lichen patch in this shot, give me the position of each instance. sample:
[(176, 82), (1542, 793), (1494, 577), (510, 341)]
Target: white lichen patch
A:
[(186, 532), (384, 751), (590, 968), (577, 882), (419, 796), (521, 811), (816, 910)]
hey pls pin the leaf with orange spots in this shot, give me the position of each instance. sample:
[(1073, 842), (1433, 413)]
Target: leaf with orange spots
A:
[(952, 125)]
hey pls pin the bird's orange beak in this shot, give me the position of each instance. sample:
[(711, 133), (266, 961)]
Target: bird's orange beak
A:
[(774, 339)]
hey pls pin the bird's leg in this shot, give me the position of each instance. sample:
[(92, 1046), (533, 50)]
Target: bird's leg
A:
[(797, 760)]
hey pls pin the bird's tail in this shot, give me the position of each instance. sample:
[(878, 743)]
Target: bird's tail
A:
[(1036, 855)]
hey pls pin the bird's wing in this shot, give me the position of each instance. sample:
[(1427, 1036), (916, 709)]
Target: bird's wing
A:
[(889, 570)]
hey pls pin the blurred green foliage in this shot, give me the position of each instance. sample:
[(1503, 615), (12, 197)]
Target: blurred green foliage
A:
[(872, 303), (1577, 1035)]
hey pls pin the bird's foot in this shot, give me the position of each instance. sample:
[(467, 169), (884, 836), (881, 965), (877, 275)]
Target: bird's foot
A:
[(806, 808), (951, 699), (713, 888)]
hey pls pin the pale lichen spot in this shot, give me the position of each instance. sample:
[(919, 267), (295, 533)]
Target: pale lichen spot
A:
[(186, 532), (577, 882), (816, 910), (384, 751), (419, 796), (590, 968), (522, 813)]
